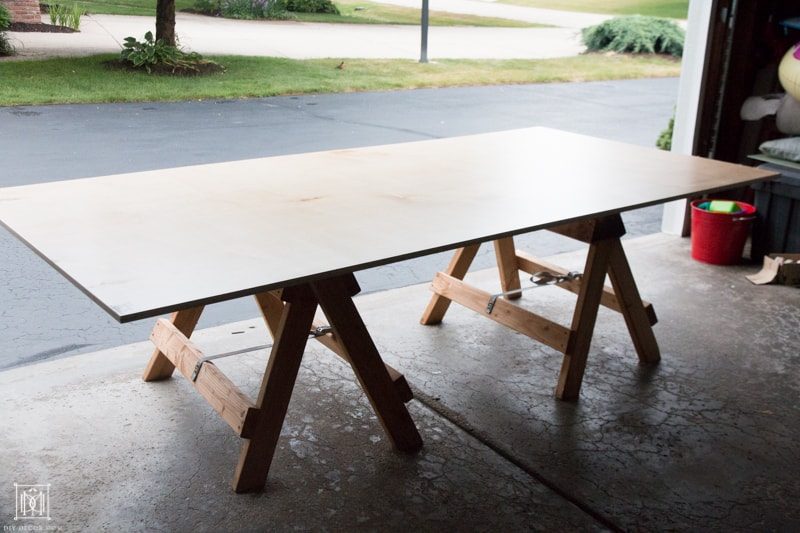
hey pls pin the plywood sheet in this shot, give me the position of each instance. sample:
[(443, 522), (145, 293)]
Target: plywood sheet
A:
[(145, 243)]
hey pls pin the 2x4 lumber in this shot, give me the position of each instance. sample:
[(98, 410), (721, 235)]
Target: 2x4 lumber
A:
[(160, 367), (458, 267), (528, 263), (331, 342), (633, 308), (507, 266), (583, 321), (367, 364), (226, 399), (271, 307), (517, 318), (276, 391)]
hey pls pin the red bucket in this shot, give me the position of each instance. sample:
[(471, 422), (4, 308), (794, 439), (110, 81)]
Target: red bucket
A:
[(718, 238)]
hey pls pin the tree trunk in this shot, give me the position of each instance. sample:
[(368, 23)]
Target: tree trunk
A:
[(165, 21)]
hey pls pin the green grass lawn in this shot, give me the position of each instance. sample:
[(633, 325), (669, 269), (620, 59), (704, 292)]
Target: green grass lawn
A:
[(87, 80), (657, 8), (352, 12)]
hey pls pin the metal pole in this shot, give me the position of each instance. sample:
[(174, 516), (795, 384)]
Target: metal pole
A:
[(423, 55)]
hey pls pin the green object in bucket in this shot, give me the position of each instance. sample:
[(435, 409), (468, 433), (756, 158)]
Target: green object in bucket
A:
[(723, 206)]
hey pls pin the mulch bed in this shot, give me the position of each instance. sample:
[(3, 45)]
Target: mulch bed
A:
[(203, 68), (38, 27)]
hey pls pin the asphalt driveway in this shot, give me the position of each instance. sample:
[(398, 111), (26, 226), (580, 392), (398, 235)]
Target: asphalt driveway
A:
[(43, 316)]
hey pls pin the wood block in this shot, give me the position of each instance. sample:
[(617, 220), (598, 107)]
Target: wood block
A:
[(592, 230)]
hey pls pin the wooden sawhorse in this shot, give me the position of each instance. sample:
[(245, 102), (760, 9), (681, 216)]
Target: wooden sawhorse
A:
[(289, 315), (605, 256)]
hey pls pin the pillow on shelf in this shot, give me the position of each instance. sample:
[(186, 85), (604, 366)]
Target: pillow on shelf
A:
[(787, 149)]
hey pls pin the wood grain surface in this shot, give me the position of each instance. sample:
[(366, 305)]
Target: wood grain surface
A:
[(146, 243)]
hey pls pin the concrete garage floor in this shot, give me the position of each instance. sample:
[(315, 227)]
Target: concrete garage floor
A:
[(707, 440)]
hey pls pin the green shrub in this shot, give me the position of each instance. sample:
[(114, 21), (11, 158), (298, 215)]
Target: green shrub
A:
[(664, 140), (240, 9), (245, 9), (253, 9), (67, 16), (5, 18), (311, 6), (207, 7), (6, 49), (637, 35), (158, 56), (5, 21)]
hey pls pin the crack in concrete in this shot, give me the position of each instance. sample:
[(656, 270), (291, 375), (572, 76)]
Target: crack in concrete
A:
[(460, 422)]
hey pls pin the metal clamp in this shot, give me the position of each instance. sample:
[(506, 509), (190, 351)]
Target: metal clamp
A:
[(318, 331), (539, 279)]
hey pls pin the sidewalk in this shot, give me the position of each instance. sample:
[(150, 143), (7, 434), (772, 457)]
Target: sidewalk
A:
[(297, 40), (490, 8)]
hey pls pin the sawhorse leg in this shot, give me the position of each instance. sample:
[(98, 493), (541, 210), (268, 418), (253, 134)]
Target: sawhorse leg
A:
[(271, 307), (458, 267), (507, 266), (289, 313), (276, 389), (637, 318), (160, 367), (583, 320), (335, 299), (606, 255), (334, 296)]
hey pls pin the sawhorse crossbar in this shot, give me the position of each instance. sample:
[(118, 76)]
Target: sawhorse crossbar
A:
[(289, 315), (606, 255)]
